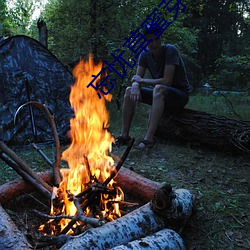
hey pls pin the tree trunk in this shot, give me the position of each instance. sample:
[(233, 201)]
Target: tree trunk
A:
[(10, 237), (43, 32), (212, 131)]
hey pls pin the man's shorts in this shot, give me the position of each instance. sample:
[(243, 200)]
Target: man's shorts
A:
[(175, 99)]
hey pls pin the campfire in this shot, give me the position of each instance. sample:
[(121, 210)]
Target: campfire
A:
[(87, 198), (87, 188)]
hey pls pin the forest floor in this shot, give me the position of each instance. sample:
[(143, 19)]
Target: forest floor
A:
[(219, 180)]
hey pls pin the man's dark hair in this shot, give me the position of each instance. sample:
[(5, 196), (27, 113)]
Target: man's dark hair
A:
[(150, 28)]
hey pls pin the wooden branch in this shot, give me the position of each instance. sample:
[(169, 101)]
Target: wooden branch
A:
[(212, 131), (23, 165), (10, 237), (35, 146), (120, 163), (26, 176), (57, 174)]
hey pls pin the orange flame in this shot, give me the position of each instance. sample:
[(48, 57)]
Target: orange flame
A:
[(90, 139)]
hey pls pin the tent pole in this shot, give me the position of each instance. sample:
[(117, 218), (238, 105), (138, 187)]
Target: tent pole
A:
[(33, 125)]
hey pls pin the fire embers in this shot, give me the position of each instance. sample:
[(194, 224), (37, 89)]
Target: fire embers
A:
[(95, 206)]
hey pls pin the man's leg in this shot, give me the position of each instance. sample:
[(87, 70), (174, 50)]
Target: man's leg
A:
[(157, 111), (127, 113)]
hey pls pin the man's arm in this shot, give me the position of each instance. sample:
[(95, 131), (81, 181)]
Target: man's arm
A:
[(135, 93), (166, 80)]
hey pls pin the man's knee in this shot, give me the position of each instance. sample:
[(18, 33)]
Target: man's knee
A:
[(127, 92), (159, 90)]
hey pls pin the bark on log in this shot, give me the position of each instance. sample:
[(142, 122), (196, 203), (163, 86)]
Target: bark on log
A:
[(10, 237), (15, 188), (212, 131), (163, 239), (140, 187), (150, 218)]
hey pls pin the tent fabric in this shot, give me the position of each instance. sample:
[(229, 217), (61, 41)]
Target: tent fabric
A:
[(29, 71)]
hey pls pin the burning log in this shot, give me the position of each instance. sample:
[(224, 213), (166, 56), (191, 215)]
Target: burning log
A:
[(216, 132), (10, 237), (165, 210), (163, 239)]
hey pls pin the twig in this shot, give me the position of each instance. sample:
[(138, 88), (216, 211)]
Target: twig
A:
[(42, 154), (120, 163)]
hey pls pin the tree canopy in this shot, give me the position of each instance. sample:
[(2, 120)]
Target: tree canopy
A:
[(213, 36)]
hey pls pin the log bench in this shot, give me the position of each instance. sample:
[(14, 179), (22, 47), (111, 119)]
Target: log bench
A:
[(211, 131)]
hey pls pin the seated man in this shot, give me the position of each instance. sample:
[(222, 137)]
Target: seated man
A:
[(169, 87)]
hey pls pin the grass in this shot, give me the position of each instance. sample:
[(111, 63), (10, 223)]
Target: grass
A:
[(219, 180)]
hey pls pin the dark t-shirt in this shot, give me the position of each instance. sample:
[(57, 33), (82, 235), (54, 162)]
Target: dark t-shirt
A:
[(171, 56)]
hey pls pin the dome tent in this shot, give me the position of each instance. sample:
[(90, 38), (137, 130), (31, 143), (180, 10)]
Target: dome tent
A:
[(29, 71)]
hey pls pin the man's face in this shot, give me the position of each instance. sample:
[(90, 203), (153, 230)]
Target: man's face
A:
[(155, 45)]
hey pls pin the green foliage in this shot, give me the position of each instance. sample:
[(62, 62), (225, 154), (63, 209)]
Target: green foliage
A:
[(233, 72), (212, 36)]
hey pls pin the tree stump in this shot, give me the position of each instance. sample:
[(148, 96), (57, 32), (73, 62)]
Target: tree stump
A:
[(212, 131), (43, 32)]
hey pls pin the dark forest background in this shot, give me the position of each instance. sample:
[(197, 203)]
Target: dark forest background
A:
[(212, 35)]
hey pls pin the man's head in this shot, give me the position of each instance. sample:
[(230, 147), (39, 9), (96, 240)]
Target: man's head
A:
[(151, 32), (151, 29)]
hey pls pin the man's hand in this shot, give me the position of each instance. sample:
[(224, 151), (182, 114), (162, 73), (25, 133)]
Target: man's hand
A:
[(135, 93), (136, 78)]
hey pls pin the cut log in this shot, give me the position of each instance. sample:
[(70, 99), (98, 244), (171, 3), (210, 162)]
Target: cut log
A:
[(150, 218), (140, 187), (131, 182), (10, 237), (15, 188), (212, 131), (163, 239)]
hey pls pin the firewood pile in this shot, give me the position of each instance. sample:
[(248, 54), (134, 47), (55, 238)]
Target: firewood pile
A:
[(155, 225)]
